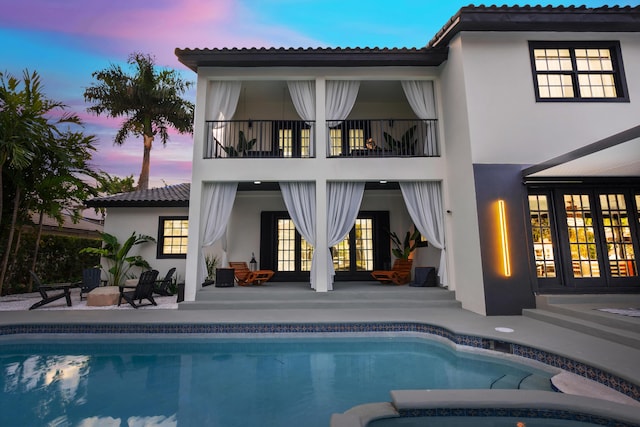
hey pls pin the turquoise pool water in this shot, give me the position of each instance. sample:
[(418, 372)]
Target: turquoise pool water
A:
[(229, 382)]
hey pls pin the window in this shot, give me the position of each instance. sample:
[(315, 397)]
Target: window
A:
[(172, 237), (585, 236), (285, 251), (542, 236), (588, 71), (294, 139), (348, 136)]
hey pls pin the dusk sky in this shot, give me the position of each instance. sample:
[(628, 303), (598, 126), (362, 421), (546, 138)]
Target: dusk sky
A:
[(65, 41)]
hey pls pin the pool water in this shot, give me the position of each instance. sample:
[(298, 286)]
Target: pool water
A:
[(229, 382)]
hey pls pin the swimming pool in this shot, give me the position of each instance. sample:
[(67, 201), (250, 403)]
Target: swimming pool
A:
[(230, 382)]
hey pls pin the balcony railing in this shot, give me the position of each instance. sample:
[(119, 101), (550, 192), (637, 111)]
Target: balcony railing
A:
[(259, 138), (346, 138), (383, 138)]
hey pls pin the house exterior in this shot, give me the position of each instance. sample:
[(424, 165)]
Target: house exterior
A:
[(511, 141), (161, 213)]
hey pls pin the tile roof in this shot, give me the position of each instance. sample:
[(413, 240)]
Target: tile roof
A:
[(169, 196), (468, 18), (539, 18)]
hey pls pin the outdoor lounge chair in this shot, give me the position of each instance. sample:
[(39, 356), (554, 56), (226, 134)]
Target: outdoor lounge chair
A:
[(161, 287), (143, 290), (90, 281), (246, 277), (400, 273), (47, 297)]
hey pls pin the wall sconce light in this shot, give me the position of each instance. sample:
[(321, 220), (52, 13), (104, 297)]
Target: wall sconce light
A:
[(504, 238)]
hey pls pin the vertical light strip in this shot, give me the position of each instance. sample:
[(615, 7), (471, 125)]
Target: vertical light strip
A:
[(506, 262)]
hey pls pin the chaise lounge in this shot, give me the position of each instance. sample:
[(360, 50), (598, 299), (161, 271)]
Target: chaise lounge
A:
[(400, 273), (246, 277)]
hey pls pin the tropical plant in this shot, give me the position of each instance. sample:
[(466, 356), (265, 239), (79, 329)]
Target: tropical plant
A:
[(243, 145), (405, 145), (211, 262), (42, 163), (150, 100), (403, 248), (117, 257)]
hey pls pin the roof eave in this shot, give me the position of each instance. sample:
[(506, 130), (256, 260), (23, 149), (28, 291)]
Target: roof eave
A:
[(195, 58), (542, 19)]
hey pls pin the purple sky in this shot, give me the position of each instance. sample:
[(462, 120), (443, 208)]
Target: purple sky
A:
[(67, 40)]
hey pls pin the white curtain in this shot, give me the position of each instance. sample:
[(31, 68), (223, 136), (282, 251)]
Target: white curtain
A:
[(222, 100), (303, 96), (343, 204), (217, 202), (420, 95), (300, 200), (339, 100), (424, 203)]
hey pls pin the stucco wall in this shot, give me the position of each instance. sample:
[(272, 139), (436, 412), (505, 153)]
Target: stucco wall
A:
[(463, 243), (507, 125), (121, 222)]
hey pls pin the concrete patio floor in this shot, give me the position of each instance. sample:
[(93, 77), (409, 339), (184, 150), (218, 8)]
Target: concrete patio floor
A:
[(365, 302)]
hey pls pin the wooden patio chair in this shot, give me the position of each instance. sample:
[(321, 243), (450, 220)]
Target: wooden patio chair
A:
[(161, 287), (143, 290), (64, 288), (400, 273), (246, 277), (90, 281)]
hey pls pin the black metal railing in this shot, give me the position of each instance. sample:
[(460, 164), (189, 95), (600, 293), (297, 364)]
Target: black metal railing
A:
[(259, 138), (345, 138), (383, 138)]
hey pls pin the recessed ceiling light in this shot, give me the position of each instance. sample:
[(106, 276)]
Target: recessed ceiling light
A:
[(257, 182), (382, 181), (504, 329)]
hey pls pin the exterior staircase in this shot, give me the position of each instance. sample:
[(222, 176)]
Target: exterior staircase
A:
[(580, 313), (346, 295)]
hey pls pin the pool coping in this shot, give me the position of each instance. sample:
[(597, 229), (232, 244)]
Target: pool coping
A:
[(545, 357), (491, 403)]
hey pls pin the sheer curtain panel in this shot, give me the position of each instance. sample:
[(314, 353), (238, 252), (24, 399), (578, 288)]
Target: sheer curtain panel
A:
[(424, 203), (420, 95), (222, 100), (343, 204), (217, 203), (303, 96), (300, 200)]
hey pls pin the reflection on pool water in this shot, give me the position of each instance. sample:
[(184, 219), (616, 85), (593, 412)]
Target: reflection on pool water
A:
[(230, 382)]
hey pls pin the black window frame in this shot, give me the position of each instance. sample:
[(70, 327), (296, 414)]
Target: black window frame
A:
[(160, 242), (564, 282), (616, 60), (345, 126), (295, 126), (268, 247)]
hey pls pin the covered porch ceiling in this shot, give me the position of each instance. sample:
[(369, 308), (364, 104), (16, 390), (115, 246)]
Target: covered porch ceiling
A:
[(615, 156)]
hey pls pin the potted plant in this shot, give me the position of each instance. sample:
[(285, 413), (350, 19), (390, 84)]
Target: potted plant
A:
[(243, 145), (211, 261), (404, 248), (406, 145)]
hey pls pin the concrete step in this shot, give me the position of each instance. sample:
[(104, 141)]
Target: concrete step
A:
[(279, 304), (304, 293), (582, 324)]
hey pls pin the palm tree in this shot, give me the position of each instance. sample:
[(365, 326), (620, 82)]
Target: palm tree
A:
[(150, 100)]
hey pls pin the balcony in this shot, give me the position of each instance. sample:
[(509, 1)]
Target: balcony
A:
[(346, 138)]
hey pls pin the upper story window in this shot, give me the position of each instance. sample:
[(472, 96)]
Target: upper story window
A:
[(578, 71), (172, 236)]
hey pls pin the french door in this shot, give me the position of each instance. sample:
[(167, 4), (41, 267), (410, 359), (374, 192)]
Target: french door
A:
[(586, 238)]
